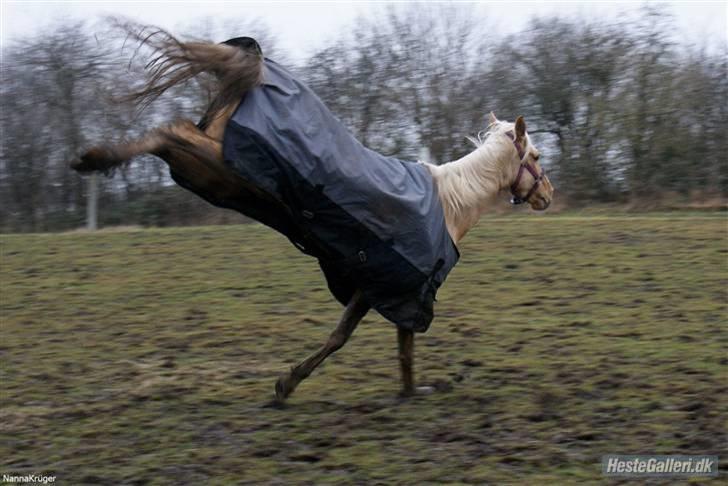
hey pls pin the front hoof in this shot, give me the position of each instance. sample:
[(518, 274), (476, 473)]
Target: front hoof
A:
[(283, 388)]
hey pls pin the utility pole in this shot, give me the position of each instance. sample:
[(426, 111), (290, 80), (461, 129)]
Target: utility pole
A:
[(92, 202)]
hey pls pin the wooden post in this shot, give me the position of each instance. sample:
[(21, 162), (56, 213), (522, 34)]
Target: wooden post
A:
[(92, 202)]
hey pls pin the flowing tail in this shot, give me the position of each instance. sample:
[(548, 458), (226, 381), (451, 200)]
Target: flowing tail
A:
[(236, 65)]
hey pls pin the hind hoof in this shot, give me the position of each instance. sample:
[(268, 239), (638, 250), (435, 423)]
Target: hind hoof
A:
[(96, 158)]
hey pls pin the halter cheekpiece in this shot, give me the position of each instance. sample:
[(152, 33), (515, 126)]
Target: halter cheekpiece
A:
[(537, 178)]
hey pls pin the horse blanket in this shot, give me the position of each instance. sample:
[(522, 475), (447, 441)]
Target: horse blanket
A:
[(374, 223)]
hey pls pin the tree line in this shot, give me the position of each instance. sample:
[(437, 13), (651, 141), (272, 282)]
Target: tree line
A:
[(621, 111)]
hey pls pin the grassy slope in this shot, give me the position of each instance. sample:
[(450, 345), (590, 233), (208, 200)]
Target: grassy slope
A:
[(150, 356)]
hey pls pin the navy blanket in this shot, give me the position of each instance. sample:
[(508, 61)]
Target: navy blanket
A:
[(375, 223)]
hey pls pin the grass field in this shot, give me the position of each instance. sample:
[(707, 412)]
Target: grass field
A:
[(149, 357)]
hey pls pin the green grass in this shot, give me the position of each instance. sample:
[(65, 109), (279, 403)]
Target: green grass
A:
[(149, 357)]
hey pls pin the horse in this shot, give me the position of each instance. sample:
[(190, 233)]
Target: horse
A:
[(504, 159)]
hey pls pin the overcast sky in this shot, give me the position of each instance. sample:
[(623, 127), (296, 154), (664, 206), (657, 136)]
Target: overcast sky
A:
[(302, 26)]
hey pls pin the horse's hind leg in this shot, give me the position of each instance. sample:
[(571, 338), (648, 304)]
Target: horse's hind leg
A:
[(355, 311), (198, 159), (189, 152), (406, 341), (158, 141), (105, 157)]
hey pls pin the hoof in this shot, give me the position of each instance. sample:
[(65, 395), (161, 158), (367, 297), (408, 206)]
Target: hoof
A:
[(406, 393), (96, 158), (283, 388), (420, 390), (274, 404)]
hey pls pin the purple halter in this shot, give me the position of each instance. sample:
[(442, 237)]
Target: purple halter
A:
[(537, 178)]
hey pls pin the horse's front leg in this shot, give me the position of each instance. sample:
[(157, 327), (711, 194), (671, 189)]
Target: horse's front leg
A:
[(406, 342), (354, 313)]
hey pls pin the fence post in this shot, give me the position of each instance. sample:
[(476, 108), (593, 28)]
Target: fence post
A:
[(92, 202)]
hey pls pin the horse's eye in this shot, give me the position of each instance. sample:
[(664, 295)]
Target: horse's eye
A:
[(536, 156)]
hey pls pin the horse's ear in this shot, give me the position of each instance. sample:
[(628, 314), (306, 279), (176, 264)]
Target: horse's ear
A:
[(520, 127), (492, 119)]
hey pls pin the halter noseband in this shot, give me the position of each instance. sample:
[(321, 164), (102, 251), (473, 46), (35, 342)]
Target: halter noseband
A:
[(537, 178)]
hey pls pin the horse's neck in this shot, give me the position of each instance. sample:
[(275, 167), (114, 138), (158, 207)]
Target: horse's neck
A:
[(467, 186)]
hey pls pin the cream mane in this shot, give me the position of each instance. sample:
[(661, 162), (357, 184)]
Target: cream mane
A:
[(467, 186)]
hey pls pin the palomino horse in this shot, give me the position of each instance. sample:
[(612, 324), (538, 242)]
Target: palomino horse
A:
[(504, 160)]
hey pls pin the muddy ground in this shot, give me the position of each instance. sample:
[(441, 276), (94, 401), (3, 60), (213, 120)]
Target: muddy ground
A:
[(149, 357)]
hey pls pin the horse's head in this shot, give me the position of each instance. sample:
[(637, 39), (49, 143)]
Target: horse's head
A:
[(527, 180)]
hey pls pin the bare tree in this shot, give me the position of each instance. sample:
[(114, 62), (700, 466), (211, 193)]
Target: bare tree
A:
[(621, 109), (408, 78)]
